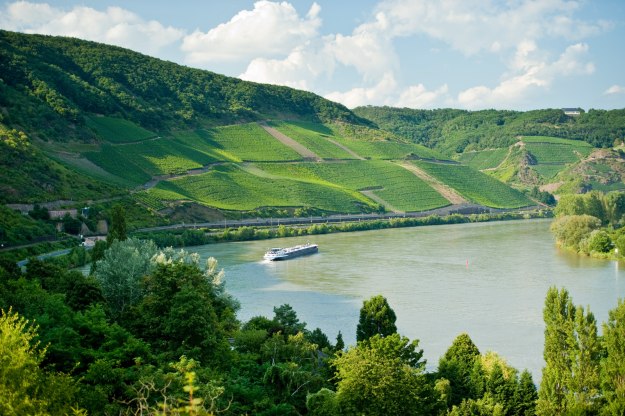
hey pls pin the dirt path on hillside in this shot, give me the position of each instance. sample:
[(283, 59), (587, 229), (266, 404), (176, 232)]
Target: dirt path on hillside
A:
[(387, 206), (347, 149), (287, 141), (448, 193)]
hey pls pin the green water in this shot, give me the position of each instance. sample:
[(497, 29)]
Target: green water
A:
[(487, 279)]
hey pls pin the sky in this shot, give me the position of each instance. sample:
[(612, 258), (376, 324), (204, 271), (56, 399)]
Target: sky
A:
[(424, 54)]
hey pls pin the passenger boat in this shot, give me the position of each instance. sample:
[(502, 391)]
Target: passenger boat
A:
[(276, 254)]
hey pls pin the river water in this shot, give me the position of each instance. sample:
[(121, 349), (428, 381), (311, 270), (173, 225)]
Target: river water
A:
[(486, 279)]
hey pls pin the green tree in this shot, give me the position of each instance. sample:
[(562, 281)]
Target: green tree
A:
[(120, 272), (459, 365), (286, 317), (525, 396), (322, 403), (570, 230), (117, 229), (570, 381), (376, 318), (613, 363), (340, 344), (183, 311), (614, 207), (598, 241), (384, 375), (24, 388)]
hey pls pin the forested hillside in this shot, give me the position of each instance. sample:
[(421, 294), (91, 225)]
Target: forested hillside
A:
[(48, 82), (458, 131)]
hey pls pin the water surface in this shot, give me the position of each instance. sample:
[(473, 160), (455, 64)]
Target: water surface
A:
[(486, 279)]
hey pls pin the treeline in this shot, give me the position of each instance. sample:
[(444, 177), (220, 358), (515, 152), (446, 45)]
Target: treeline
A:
[(153, 332), (457, 131), (50, 83), (591, 223), (194, 237)]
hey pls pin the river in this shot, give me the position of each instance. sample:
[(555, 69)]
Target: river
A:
[(486, 279)]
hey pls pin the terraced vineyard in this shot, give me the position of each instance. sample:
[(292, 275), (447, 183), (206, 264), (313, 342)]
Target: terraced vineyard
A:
[(117, 130), (394, 184), (314, 137), (475, 186), (484, 159), (229, 187), (553, 154), (165, 156), (388, 150)]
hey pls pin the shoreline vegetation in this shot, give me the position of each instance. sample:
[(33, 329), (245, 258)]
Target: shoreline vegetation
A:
[(194, 237), (191, 235), (591, 224)]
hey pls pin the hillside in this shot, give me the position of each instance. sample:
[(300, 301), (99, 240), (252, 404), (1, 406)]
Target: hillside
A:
[(457, 131), (85, 121)]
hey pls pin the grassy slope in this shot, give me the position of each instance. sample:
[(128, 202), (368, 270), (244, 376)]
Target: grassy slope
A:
[(475, 186)]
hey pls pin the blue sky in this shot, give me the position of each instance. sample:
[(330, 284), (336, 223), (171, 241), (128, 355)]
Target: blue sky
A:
[(473, 54)]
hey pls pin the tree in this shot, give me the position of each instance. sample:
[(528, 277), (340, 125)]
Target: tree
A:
[(322, 403), (570, 230), (613, 363), (117, 230), (120, 272), (24, 388), (340, 344), (525, 395), (570, 380), (286, 317), (182, 311), (614, 207), (384, 376), (461, 367), (376, 318)]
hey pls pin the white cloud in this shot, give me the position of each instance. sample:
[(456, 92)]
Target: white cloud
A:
[(417, 96), (472, 26), (388, 92), (615, 89), (115, 25), (299, 69), (530, 71), (269, 29), (360, 96)]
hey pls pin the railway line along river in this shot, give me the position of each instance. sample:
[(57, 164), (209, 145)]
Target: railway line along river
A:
[(486, 279)]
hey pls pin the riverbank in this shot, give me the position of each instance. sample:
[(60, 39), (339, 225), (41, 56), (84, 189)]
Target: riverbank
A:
[(177, 237)]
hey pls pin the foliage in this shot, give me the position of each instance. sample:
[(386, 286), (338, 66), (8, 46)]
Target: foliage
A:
[(613, 362), (117, 229), (457, 367), (570, 382), (376, 318), (17, 229), (384, 376), (570, 230), (452, 130), (24, 387), (121, 270)]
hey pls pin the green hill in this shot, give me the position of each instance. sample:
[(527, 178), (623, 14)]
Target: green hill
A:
[(86, 121)]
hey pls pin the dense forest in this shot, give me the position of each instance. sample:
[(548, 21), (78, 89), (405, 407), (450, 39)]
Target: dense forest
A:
[(457, 131), (153, 332), (50, 83)]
